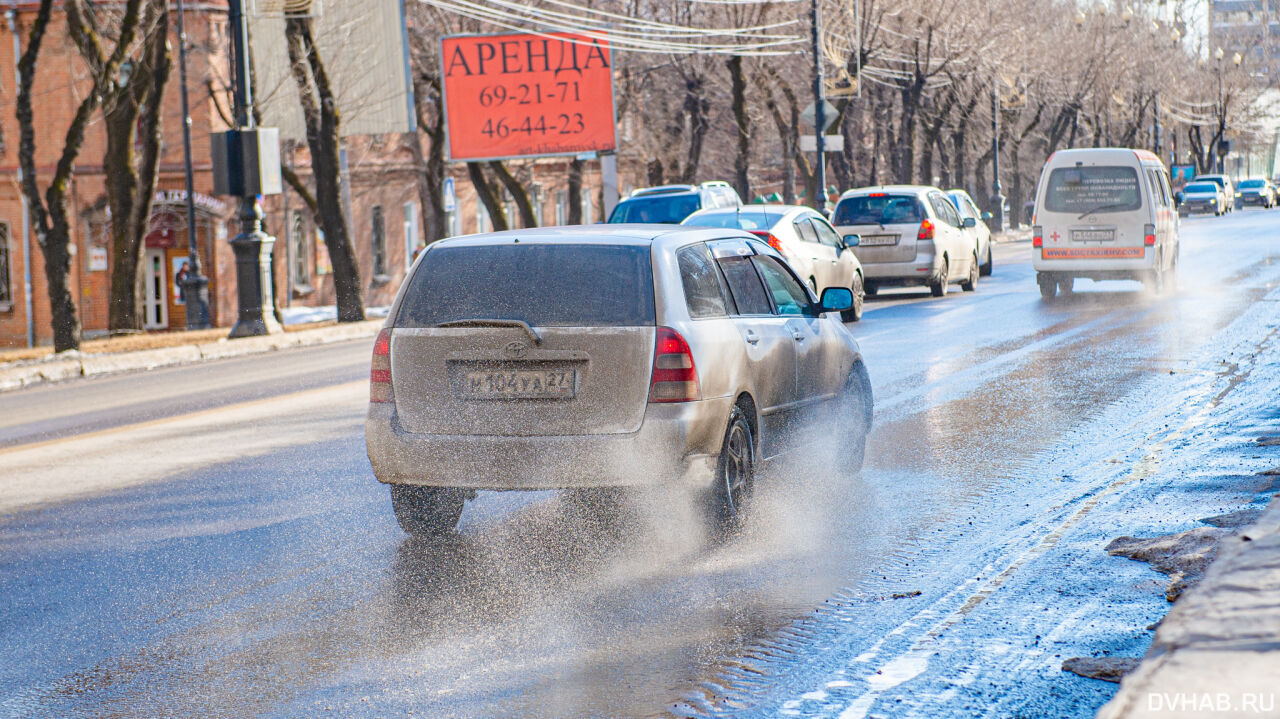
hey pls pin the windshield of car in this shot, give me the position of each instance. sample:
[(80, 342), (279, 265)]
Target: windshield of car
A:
[(1196, 188), (670, 209), (1251, 184), (545, 285), (1092, 189), (878, 209), (745, 219), (1217, 180)]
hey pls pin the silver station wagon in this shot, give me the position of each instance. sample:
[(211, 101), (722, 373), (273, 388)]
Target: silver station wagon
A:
[(592, 357)]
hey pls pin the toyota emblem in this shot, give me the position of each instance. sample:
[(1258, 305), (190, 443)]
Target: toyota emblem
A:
[(516, 349)]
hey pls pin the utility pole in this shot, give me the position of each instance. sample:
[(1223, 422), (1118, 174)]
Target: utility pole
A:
[(1156, 129), (997, 199), (252, 167), (819, 114), (195, 286)]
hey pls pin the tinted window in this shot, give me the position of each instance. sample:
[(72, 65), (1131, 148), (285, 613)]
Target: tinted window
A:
[(744, 283), (789, 296), (1084, 190), (663, 209), (963, 206), (744, 219), (704, 291), (1251, 184), (826, 235), (1205, 187), (878, 209), (805, 230), (546, 285), (943, 208)]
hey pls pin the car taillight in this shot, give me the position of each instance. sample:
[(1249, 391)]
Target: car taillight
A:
[(1037, 236), (926, 230), (771, 238), (1149, 235), (380, 372), (675, 379)]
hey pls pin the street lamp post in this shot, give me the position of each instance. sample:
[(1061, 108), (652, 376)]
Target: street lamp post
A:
[(819, 113), (252, 246), (195, 286), (1222, 112), (997, 198)]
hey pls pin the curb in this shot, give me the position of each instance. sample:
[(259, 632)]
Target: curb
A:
[(1217, 652), (69, 365)]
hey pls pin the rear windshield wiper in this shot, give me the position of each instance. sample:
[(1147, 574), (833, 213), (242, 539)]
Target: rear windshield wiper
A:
[(1100, 209), (486, 322)]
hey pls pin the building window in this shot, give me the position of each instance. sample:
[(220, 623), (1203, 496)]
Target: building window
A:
[(535, 199), (509, 208), (410, 233), (6, 286), (586, 207), (301, 253), (378, 240), (482, 217), (562, 207)]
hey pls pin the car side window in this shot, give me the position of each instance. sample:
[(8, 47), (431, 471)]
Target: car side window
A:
[(805, 230), (704, 291), (940, 204), (744, 284), (789, 295), (826, 233)]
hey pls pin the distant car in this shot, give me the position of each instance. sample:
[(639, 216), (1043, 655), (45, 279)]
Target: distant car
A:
[(908, 235), (1201, 197), (672, 203), (808, 242), (1228, 193), (975, 221), (1255, 191), (589, 357)]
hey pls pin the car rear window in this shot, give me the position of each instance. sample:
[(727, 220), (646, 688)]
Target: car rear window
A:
[(1085, 190), (878, 209), (1201, 187), (546, 285), (740, 219), (1251, 184), (667, 209)]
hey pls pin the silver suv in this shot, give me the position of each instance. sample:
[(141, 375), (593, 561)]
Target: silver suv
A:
[(597, 356)]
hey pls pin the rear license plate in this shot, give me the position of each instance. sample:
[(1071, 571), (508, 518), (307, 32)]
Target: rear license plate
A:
[(518, 384), (875, 240), (1093, 235)]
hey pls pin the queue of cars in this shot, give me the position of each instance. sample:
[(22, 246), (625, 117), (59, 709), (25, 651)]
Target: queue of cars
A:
[(1216, 194)]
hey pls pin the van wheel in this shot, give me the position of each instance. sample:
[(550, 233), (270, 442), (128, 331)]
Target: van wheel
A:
[(1048, 285), (1153, 280), (989, 266), (853, 314), (1066, 285), (971, 284), (735, 473), (427, 511), (938, 287)]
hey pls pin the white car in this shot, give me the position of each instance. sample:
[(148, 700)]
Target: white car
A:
[(976, 222), (908, 235), (1104, 214), (819, 254)]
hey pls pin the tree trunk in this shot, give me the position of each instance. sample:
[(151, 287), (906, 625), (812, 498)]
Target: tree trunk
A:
[(517, 191), (320, 114), (575, 191), (742, 122), (488, 197), (432, 165), (697, 110), (50, 214)]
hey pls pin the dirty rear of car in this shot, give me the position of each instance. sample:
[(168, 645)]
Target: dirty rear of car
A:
[(547, 360)]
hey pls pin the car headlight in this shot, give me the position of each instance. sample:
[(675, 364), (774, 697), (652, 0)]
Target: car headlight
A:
[(1213, 201)]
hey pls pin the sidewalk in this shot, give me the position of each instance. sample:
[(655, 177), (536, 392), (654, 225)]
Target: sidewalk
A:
[(1217, 652), (182, 348)]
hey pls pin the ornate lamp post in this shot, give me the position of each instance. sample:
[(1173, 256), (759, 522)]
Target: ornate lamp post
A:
[(195, 286)]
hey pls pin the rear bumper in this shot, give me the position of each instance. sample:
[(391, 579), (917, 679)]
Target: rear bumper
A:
[(1100, 266), (919, 271), (677, 444)]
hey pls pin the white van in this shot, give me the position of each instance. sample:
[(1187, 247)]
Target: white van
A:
[(1104, 214)]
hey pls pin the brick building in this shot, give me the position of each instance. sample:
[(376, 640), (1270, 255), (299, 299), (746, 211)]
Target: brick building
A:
[(383, 199)]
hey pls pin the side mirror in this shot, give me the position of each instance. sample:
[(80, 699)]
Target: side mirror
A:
[(986, 216), (852, 240), (968, 222), (836, 299)]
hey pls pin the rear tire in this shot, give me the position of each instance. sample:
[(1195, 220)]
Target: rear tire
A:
[(1153, 280), (990, 265), (971, 283), (1048, 285), (1066, 285), (938, 287), (735, 473), (870, 288), (853, 314), (425, 512)]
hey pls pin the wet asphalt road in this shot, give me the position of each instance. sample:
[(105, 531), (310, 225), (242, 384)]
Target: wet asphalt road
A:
[(273, 581)]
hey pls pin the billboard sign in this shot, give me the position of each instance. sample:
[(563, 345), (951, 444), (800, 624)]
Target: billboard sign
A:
[(527, 95)]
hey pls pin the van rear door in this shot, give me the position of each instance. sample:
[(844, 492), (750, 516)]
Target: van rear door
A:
[(1094, 212)]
